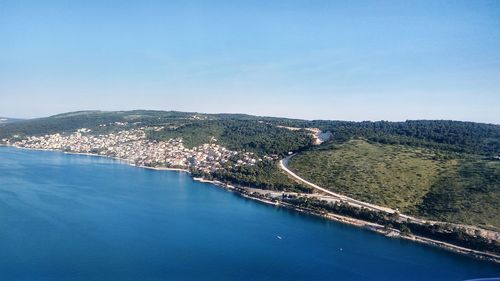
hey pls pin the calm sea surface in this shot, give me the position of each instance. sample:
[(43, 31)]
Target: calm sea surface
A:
[(72, 217)]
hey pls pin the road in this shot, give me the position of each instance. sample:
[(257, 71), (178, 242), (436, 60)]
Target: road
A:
[(335, 197), (283, 164)]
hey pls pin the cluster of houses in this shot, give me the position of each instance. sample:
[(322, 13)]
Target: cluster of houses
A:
[(132, 145)]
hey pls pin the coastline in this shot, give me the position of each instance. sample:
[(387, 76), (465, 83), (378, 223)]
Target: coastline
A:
[(391, 233), (103, 156), (243, 191)]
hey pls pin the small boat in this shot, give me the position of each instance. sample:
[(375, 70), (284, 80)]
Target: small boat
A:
[(279, 237)]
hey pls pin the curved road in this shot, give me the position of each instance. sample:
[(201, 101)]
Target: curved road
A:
[(490, 234), (283, 165)]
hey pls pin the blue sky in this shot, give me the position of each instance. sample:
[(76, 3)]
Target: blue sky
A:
[(349, 60)]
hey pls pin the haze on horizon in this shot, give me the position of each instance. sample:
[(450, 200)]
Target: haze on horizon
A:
[(369, 60)]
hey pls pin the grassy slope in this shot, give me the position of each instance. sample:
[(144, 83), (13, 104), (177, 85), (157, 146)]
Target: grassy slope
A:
[(469, 194), (440, 185)]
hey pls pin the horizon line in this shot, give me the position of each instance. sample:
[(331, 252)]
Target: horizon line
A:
[(249, 114)]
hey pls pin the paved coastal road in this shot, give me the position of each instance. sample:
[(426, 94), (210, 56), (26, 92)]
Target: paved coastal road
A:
[(333, 197), (284, 166)]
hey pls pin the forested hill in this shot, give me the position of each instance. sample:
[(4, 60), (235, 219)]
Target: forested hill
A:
[(457, 136), (262, 134)]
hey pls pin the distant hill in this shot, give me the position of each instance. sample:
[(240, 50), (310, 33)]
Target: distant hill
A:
[(236, 131), (261, 134), (4, 120)]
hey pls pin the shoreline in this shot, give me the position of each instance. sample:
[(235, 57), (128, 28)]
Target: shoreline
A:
[(391, 233), (128, 162), (242, 191)]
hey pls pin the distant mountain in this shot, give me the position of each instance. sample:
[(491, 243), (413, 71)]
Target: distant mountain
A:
[(4, 120)]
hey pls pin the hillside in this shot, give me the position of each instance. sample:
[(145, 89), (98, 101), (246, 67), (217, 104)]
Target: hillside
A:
[(457, 136), (252, 135), (446, 170), (236, 131), (98, 121), (432, 183), (198, 128)]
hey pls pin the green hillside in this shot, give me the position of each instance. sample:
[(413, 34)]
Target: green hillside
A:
[(235, 131), (468, 193), (251, 135), (439, 169), (259, 133), (69, 122), (433, 183)]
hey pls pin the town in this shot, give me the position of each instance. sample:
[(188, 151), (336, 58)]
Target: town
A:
[(134, 147)]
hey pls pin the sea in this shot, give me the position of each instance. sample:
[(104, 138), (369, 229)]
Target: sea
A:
[(82, 218)]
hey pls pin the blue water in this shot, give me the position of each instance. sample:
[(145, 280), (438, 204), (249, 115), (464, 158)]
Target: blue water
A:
[(72, 217)]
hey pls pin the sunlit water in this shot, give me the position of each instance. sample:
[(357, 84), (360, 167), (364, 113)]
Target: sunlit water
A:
[(72, 217)]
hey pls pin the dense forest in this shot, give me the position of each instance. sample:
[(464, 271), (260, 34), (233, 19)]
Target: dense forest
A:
[(250, 135), (450, 135)]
